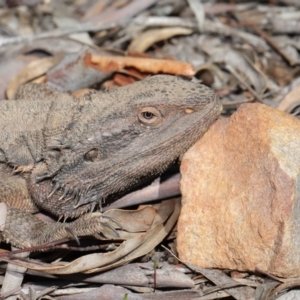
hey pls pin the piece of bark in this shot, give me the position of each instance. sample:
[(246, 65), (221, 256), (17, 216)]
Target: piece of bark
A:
[(240, 186)]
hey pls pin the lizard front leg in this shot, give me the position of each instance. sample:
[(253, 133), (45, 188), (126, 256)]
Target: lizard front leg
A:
[(23, 229), (14, 191)]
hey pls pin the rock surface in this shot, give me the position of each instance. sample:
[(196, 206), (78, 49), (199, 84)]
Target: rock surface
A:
[(241, 194)]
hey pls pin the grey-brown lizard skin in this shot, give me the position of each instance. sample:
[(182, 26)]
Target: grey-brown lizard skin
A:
[(66, 156)]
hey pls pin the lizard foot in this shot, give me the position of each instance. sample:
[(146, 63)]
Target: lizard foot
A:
[(25, 230)]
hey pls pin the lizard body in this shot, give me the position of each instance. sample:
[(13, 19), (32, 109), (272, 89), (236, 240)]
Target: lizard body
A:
[(67, 156)]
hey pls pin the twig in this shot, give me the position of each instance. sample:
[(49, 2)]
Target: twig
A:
[(269, 275), (243, 82), (274, 45), (199, 12), (56, 33)]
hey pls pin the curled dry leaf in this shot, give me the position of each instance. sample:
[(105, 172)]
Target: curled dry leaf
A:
[(291, 100), (284, 26), (249, 70), (14, 276), (198, 9), (71, 73), (143, 218), (242, 65), (55, 45), (288, 286), (163, 221), (146, 39), (147, 65), (226, 283), (116, 12), (160, 188), (112, 292), (9, 68), (33, 70), (93, 10), (139, 274), (219, 28)]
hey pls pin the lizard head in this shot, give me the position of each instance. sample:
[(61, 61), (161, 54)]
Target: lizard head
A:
[(127, 135)]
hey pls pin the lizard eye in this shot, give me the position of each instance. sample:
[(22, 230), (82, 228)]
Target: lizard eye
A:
[(147, 115), (150, 117), (91, 156)]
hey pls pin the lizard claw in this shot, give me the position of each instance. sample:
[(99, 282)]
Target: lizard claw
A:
[(65, 193), (80, 201), (113, 220), (56, 187), (110, 227), (69, 230)]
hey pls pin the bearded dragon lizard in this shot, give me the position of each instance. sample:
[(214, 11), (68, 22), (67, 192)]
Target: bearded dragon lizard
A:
[(66, 156)]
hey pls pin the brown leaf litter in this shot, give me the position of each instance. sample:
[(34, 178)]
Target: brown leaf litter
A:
[(246, 51)]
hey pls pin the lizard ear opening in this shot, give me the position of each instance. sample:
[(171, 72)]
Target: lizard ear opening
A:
[(150, 117), (92, 155)]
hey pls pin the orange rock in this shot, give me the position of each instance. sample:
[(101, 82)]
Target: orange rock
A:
[(241, 194)]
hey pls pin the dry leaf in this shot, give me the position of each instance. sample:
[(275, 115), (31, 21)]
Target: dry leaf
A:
[(71, 73), (147, 65), (226, 283), (33, 70), (134, 220), (291, 100), (163, 222), (146, 39)]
